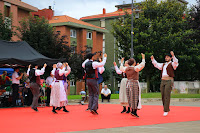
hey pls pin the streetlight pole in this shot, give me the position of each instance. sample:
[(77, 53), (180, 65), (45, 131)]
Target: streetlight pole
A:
[(132, 30)]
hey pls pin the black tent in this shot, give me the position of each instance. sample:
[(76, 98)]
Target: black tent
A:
[(21, 53)]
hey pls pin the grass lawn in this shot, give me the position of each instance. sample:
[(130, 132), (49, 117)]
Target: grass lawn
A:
[(145, 95)]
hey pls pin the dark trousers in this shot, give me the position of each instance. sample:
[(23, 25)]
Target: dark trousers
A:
[(15, 95), (29, 97), (104, 97), (48, 90), (93, 89), (165, 88), (35, 88)]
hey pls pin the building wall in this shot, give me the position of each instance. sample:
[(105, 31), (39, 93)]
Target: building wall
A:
[(64, 31), (46, 13), (2, 7)]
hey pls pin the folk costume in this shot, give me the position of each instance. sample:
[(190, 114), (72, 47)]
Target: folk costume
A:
[(58, 92), (167, 80), (133, 89)]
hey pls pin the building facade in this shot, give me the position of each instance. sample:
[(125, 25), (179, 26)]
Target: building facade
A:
[(15, 10)]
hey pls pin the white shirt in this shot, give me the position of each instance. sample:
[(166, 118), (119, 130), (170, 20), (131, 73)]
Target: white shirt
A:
[(160, 65), (14, 78), (107, 91), (62, 71), (49, 80), (95, 64), (37, 72), (101, 69)]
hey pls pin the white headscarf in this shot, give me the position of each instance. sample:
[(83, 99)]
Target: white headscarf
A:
[(59, 65)]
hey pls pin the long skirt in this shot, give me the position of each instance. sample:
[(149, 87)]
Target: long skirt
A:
[(122, 93), (58, 94), (132, 92)]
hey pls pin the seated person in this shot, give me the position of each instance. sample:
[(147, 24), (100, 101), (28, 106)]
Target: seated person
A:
[(105, 93), (82, 92)]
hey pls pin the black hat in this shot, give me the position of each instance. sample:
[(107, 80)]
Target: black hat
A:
[(90, 55), (169, 55)]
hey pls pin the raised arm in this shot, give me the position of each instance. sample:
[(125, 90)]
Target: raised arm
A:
[(54, 69), (117, 69), (175, 60), (83, 64), (156, 64), (99, 64), (40, 72), (141, 65), (68, 70), (29, 67)]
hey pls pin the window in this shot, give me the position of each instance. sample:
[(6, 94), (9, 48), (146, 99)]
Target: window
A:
[(73, 49), (73, 33), (7, 11), (89, 35), (102, 23)]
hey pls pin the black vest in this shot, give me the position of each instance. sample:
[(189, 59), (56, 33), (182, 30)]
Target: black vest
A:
[(33, 78), (90, 72)]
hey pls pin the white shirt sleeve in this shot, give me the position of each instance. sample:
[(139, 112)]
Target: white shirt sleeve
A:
[(157, 65), (28, 71), (53, 71), (117, 70), (175, 62), (101, 69), (122, 68), (102, 90), (83, 64), (109, 92), (15, 75), (99, 64), (140, 66), (68, 71), (39, 72)]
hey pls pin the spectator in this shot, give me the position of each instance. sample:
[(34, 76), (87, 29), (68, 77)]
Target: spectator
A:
[(82, 92), (4, 78), (105, 93), (49, 80)]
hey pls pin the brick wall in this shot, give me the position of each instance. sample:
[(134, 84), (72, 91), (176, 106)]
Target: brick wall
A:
[(46, 13)]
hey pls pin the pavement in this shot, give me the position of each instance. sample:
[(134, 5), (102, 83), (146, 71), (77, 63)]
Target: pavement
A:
[(178, 127)]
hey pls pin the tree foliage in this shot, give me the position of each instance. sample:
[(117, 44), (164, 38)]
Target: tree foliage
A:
[(161, 27), (6, 31)]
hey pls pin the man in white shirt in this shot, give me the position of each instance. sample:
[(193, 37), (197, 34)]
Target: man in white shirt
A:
[(15, 85), (167, 78), (34, 76), (90, 67), (49, 80), (105, 93)]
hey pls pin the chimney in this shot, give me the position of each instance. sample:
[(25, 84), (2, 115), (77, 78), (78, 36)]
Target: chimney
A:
[(49, 7), (104, 11)]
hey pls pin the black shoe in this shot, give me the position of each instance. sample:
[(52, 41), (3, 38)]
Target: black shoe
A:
[(65, 110), (94, 112), (123, 111), (35, 109), (128, 111), (87, 109), (134, 114), (54, 112)]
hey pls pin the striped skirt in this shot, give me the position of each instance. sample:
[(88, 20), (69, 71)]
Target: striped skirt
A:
[(132, 91)]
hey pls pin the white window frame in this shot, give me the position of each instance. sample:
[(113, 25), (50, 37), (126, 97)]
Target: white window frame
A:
[(73, 33), (88, 37)]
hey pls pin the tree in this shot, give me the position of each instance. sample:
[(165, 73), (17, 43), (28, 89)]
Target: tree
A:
[(159, 29), (5, 28), (42, 36)]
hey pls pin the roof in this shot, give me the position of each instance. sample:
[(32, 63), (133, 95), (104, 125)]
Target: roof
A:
[(69, 21), (21, 53), (22, 5), (106, 15)]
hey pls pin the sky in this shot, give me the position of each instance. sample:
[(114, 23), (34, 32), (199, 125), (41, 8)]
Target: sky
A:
[(81, 8)]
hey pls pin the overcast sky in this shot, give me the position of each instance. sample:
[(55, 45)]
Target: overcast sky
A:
[(81, 8)]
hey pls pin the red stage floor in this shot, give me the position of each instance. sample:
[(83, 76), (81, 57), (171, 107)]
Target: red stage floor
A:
[(25, 120)]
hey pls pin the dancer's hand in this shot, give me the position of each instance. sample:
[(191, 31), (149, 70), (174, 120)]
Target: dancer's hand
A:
[(114, 63), (143, 56), (67, 64), (105, 55), (122, 60), (172, 53), (45, 65), (54, 65), (152, 57)]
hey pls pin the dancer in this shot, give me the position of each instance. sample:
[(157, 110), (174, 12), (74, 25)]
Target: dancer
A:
[(58, 94), (122, 91), (133, 89), (167, 78), (92, 75), (34, 76)]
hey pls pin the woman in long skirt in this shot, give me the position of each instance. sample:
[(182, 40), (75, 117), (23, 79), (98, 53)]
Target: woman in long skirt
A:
[(58, 93), (133, 89), (122, 91)]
